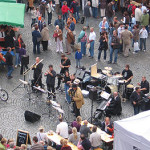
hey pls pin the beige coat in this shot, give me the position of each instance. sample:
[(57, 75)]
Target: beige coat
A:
[(30, 3), (45, 34), (126, 37), (59, 35), (78, 98)]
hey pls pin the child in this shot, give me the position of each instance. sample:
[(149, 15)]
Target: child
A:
[(143, 36), (78, 57)]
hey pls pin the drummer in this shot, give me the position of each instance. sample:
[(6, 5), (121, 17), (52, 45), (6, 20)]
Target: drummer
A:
[(144, 85), (127, 74)]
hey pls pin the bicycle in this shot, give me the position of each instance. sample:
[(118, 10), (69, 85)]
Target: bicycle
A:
[(3, 95)]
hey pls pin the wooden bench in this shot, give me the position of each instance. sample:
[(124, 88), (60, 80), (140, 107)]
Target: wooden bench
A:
[(98, 149)]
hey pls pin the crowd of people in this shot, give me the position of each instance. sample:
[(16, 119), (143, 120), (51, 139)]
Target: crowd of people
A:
[(117, 36)]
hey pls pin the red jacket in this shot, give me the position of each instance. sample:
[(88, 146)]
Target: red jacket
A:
[(133, 8), (64, 9)]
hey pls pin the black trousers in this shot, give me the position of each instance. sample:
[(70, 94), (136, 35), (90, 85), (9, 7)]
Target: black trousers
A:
[(76, 110), (38, 81), (51, 88), (22, 68), (45, 45), (28, 7)]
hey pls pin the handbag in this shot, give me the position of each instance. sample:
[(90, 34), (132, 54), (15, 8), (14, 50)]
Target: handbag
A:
[(136, 46), (55, 35)]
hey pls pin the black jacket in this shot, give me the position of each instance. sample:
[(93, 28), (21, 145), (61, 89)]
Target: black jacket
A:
[(107, 131), (50, 80), (38, 71), (9, 59)]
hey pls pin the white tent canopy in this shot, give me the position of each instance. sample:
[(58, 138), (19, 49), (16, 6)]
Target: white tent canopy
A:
[(133, 133)]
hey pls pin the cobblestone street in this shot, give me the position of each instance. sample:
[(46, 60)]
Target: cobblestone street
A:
[(12, 112)]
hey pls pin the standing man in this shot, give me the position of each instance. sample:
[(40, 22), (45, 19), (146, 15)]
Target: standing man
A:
[(59, 22), (87, 13), (50, 80), (92, 38), (126, 37), (36, 37), (42, 8), (9, 62), (110, 11), (57, 3), (37, 75), (50, 9), (78, 99), (95, 4), (145, 20), (144, 85), (103, 8), (138, 14)]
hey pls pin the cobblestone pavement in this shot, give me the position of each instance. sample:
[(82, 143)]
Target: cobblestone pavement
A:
[(12, 112)]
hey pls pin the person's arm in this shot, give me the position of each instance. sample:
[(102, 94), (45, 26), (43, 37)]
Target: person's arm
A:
[(79, 145), (78, 97)]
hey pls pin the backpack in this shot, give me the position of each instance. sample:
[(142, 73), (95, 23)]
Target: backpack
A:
[(130, 9)]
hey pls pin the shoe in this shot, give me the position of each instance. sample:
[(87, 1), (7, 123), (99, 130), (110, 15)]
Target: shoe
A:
[(15, 66), (109, 62), (89, 56), (76, 66), (9, 77), (114, 62)]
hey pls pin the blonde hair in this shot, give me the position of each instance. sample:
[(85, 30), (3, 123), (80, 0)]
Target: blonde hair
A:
[(65, 142), (74, 131), (79, 119), (23, 146), (49, 148)]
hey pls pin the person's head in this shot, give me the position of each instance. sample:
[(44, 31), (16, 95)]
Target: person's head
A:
[(126, 27), (35, 139), (115, 33), (145, 11), (74, 86), (61, 119), (104, 34), (140, 6), (94, 128), (23, 45), (64, 3), (115, 94), (49, 148), (19, 36), (57, 27), (143, 27), (84, 28), (11, 144), (111, 24), (126, 13), (85, 122), (115, 19), (1, 137), (41, 129), (9, 49), (33, 8), (137, 89), (88, 3), (72, 76), (61, 141), (91, 29), (71, 15), (121, 25), (63, 56), (65, 142), (104, 19), (36, 27), (79, 119), (37, 8), (82, 136), (50, 67), (37, 59), (74, 131), (127, 67), (44, 25), (23, 146), (67, 73), (50, 1), (4, 141), (113, 2), (59, 17), (143, 78), (107, 120)]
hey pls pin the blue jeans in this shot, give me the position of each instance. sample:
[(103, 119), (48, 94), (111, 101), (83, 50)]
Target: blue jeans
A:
[(111, 54), (91, 50), (136, 109), (10, 70), (95, 12), (142, 42), (65, 16), (49, 18), (67, 95), (83, 48), (87, 21), (17, 62), (38, 47), (78, 63), (78, 16), (99, 54)]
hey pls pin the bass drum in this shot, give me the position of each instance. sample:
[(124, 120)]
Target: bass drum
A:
[(111, 89)]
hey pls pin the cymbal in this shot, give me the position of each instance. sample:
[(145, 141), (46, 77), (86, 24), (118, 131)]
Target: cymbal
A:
[(108, 68), (119, 75)]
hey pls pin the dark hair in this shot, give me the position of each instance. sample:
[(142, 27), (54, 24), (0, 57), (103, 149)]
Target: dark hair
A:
[(111, 24), (50, 66), (126, 27), (137, 88), (61, 119), (23, 45), (127, 66), (35, 139), (94, 129), (36, 27), (82, 136), (18, 36), (63, 55), (44, 25)]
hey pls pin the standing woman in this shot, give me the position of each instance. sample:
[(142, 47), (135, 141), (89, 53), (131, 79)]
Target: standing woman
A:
[(37, 14), (58, 39), (103, 25), (102, 8), (45, 37), (29, 5), (18, 44), (103, 45)]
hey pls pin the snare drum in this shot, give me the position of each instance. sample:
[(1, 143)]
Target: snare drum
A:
[(111, 89), (85, 93), (129, 90)]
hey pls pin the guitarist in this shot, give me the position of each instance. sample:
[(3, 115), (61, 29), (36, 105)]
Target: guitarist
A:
[(136, 97)]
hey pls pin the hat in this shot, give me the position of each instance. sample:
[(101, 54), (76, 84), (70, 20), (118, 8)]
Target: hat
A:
[(43, 1), (76, 81), (74, 85), (41, 128)]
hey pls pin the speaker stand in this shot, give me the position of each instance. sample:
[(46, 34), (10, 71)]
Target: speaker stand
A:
[(91, 118)]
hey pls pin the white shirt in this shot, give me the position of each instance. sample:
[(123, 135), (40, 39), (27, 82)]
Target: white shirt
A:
[(50, 8), (95, 3), (62, 129), (92, 36), (95, 139), (120, 30), (143, 33), (41, 136)]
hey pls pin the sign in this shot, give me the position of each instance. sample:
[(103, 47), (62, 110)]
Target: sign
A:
[(23, 137)]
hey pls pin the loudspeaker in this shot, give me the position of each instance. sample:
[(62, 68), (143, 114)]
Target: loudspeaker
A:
[(25, 60), (93, 94), (31, 117)]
